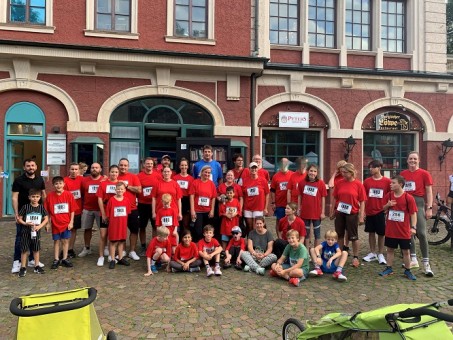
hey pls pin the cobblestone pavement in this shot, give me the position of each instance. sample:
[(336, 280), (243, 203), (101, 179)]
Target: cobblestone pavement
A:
[(236, 305)]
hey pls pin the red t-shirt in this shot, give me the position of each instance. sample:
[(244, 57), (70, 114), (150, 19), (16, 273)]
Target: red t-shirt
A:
[(349, 194), (221, 190), (106, 190), (172, 188), (184, 253), (168, 217), (208, 247), (255, 191), (89, 189), (132, 180), (147, 182), (234, 243), (279, 186), (311, 199), (416, 181), (284, 225), (293, 184), (74, 186), (239, 175), (59, 208), (155, 243), (398, 226), (117, 212), (376, 190), (184, 183), (204, 193), (227, 223)]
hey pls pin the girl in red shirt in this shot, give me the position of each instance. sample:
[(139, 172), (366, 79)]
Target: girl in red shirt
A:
[(186, 255), (184, 181), (168, 217), (167, 186), (290, 221)]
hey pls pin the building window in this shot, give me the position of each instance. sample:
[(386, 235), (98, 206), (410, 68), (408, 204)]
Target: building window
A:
[(27, 11), (191, 18), (393, 29), (321, 23), (358, 24), (113, 15), (284, 22)]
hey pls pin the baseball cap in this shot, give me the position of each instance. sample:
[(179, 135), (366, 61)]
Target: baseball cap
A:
[(253, 164), (236, 229), (166, 156)]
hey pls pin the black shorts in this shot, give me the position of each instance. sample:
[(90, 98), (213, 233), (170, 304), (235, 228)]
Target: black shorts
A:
[(393, 243), (77, 221), (103, 224), (145, 215), (185, 205), (133, 221), (349, 223), (450, 194), (375, 224)]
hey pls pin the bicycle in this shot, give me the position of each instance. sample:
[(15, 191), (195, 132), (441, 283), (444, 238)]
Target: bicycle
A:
[(440, 227)]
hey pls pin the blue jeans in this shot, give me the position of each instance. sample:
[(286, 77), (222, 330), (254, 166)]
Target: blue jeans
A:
[(17, 251)]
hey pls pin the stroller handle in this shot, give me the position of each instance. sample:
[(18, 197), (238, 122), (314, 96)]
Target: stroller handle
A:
[(410, 313), (16, 306)]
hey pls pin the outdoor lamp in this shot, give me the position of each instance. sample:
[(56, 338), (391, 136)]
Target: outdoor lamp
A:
[(446, 146), (349, 144)]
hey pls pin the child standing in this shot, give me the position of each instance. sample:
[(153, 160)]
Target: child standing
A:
[(329, 258), (234, 249), (401, 224), (159, 249), (61, 206), (293, 264), (32, 217), (209, 250), (186, 255), (117, 212), (167, 216), (230, 211)]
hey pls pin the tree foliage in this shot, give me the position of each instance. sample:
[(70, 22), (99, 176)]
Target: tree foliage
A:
[(450, 27)]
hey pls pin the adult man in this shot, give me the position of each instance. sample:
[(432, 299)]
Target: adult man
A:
[(261, 172), (165, 162), (148, 180), (133, 187), (90, 207), (279, 189), (216, 169), (73, 183), (21, 187)]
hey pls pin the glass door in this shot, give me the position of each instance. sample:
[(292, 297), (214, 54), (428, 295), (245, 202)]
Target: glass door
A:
[(14, 167)]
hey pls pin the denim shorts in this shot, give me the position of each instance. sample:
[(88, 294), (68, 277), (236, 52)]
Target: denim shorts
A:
[(62, 236)]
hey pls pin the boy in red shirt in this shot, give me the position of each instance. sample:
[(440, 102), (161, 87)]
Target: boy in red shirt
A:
[(60, 205), (186, 255), (230, 211), (159, 249), (167, 217), (209, 249), (234, 249)]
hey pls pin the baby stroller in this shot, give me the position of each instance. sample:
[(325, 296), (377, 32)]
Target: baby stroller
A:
[(402, 321), (60, 315)]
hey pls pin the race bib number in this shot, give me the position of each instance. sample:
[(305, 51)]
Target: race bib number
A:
[(183, 184), (147, 191), (167, 221), (92, 189), (119, 211), (253, 191), (203, 201), (283, 185), (310, 191), (376, 193), (232, 210), (344, 208), (396, 215), (110, 189), (409, 186), (61, 208), (33, 218), (76, 194)]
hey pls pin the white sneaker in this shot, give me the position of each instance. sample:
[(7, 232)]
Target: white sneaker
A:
[(124, 253), (217, 271), (85, 252), (106, 251), (370, 257), (260, 271), (246, 268), (209, 272), (16, 267), (133, 255), (110, 259), (427, 269), (32, 264), (100, 261), (381, 259)]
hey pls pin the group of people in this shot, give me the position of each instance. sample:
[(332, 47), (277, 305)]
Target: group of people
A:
[(200, 218)]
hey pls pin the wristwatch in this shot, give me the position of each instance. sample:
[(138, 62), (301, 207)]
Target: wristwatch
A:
[(430, 208)]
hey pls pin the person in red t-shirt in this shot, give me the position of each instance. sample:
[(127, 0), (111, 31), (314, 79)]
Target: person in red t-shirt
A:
[(230, 211), (290, 221), (60, 206), (234, 249), (167, 186), (296, 178), (279, 189), (73, 184), (184, 181), (229, 182), (238, 170), (158, 252), (401, 223), (186, 258), (168, 217), (376, 188), (209, 251), (261, 171), (117, 212)]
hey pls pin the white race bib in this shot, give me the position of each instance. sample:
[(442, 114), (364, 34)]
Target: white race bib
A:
[(203, 201), (76, 194), (61, 208), (147, 191), (183, 184), (232, 210), (409, 186), (167, 221), (396, 215), (283, 185), (344, 208), (376, 193), (254, 191), (33, 218), (93, 188), (310, 191), (110, 189), (119, 211)]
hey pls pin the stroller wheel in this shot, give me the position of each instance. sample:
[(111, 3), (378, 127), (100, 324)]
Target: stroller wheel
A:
[(292, 328), (111, 335)]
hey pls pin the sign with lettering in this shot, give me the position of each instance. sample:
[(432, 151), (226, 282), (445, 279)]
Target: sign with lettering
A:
[(393, 121), (293, 119)]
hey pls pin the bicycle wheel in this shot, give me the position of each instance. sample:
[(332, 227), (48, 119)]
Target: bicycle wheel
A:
[(437, 230), (292, 328)]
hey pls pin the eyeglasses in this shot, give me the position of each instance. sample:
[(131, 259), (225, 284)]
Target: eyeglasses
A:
[(235, 232)]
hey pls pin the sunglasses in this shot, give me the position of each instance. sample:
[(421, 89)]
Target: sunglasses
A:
[(235, 233)]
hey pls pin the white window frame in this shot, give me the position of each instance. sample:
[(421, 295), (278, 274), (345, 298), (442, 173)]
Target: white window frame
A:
[(172, 38), (24, 27), (90, 30)]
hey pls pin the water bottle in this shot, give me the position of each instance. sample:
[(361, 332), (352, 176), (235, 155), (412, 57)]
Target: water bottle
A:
[(33, 233)]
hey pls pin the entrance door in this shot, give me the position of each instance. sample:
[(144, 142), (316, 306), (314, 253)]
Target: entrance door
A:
[(15, 158), (161, 142)]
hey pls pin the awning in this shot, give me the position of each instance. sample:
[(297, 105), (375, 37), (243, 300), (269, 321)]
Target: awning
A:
[(238, 143), (87, 140)]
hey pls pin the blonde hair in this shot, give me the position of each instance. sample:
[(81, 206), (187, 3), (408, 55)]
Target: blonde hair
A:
[(293, 206), (162, 231), (293, 232), (166, 198), (341, 163), (349, 167), (331, 233)]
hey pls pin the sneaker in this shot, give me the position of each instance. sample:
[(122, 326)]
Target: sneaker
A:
[(158, 265), (124, 253), (209, 271), (387, 271), (38, 270), (238, 266), (194, 269), (246, 268), (133, 255), (112, 264), (32, 264), (100, 261), (22, 271), (414, 264), (124, 262), (339, 276), (154, 269), (66, 263), (142, 252), (272, 273), (355, 262), (370, 257), (227, 265), (173, 270), (72, 254), (55, 264), (381, 259), (109, 259), (260, 270), (106, 251), (294, 281), (315, 272), (85, 252), (409, 275), (427, 269), (222, 254), (16, 267), (217, 271)]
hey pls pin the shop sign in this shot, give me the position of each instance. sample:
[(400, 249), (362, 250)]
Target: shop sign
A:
[(393, 121), (293, 119)]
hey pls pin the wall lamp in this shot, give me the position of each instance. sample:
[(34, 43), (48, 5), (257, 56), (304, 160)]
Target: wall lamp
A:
[(446, 145), (349, 144)]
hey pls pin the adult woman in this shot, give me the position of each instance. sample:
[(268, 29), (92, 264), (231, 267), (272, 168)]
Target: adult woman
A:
[(106, 190), (259, 248), (256, 196), (419, 184), (185, 181), (238, 170), (202, 201), (295, 179), (167, 186), (229, 181), (348, 209)]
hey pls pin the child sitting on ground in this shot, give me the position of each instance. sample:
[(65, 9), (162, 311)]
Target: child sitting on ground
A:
[(234, 249), (209, 250), (293, 264), (186, 258), (167, 216), (159, 251), (328, 257)]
